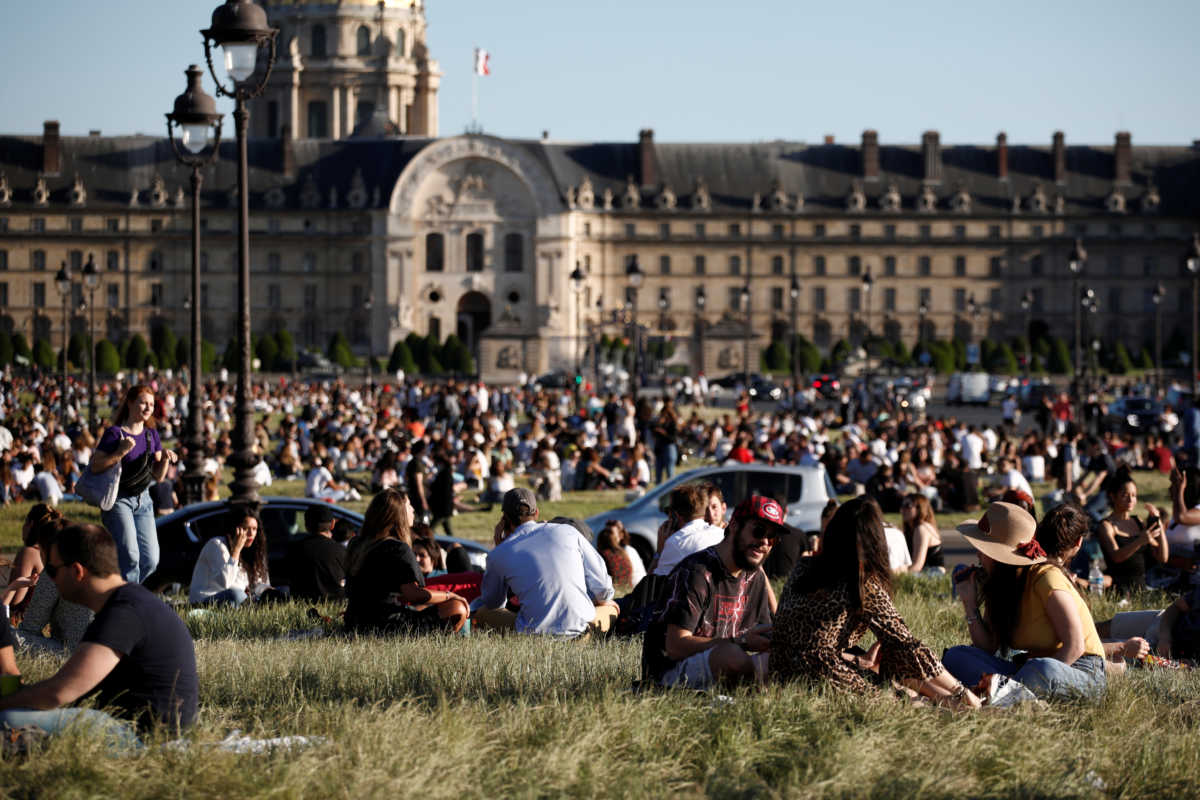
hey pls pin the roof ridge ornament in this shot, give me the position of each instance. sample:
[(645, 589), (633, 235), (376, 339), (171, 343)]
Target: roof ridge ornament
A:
[(1037, 199), (856, 200), (961, 202), (1151, 199), (666, 199), (158, 192), (5, 190), (779, 198), (928, 201), (585, 195), (41, 195), (78, 192), (890, 200), (633, 195), (1115, 202), (701, 198)]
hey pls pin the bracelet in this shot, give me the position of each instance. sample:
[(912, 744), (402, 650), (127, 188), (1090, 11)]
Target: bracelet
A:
[(972, 618)]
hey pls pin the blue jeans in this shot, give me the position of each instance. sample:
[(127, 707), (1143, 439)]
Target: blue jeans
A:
[(1048, 678), (664, 461), (131, 523), (227, 597), (119, 735)]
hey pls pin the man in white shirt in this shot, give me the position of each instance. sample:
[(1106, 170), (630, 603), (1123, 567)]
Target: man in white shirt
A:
[(685, 531), (972, 449), (561, 580), (1010, 477)]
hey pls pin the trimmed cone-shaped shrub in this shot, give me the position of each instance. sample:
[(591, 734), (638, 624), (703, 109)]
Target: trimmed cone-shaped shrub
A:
[(287, 349), (43, 354), (402, 359), (108, 360), (135, 353), (1059, 361), (6, 349)]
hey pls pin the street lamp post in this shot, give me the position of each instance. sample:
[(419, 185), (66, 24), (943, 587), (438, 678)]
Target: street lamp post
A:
[(867, 283), (794, 293), (195, 114), (91, 279), (701, 301), (1192, 263), (1027, 307), (662, 340), (635, 276), (370, 381), (577, 279), (595, 342), (240, 29), (1160, 292), (745, 295), (62, 282), (1075, 263)]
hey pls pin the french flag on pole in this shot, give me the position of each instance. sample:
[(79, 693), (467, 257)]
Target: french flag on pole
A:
[(481, 62)]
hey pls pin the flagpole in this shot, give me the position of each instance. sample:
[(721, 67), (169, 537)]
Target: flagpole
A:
[(475, 100)]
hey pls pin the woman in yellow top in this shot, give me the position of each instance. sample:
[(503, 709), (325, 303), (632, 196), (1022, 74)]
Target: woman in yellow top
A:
[(1035, 627)]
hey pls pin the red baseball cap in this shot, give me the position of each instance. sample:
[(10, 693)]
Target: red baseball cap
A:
[(759, 507)]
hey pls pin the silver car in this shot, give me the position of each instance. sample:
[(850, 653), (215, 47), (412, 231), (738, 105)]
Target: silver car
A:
[(806, 490)]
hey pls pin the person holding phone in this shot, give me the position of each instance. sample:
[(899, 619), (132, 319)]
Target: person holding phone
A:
[(1130, 546), (232, 567)]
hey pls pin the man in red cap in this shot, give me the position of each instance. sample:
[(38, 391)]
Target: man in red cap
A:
[(715, 623)]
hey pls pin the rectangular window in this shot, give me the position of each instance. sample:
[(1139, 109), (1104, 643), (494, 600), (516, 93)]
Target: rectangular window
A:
[(274, 262), (664, 298), (76, 260), (112, 261), (664, 230), (1114, 300), (3, 224), (37, 225), (310, 297), (699, 265), (112, 225), (853, 265), (889, 299), (889, 266), (630, 230), (776, 265), (1149, 266), (310, 259), (156, 295), (1035, 265), (776, 298), (318, 120), (514, 254), (735, 265), (889, 231), (155, 225), (38, 260), (735, 229), (76, 224), (926, 231), (3, 259), (273, 295), (4, 294), (114, 295), (995, 266), (1114, 265), (735, 298), (994, 298), (776, 231), (854, 299), (960, 266), (819, 230), (699, 230), (925, 298), (855, 231), (993, 231), (1036, 231), (664, 265), (818, 298), (587, 229), (960, 299), (204, 295), (960, 231), (924, 266), (39, 295), (155, 264), (818, 265)]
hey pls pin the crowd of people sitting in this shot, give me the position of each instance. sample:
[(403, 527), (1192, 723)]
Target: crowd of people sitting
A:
[(704, 604)]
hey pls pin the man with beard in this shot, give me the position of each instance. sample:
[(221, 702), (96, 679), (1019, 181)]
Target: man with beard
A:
[(715, 624)]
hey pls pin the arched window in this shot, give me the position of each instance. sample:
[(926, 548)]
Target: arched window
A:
[(475, 252), (514, 253), (364, 41), (401, 42), (435, 252), (317, 50)]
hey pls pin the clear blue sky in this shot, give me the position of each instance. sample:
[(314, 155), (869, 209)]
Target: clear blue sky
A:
[(698, 71)]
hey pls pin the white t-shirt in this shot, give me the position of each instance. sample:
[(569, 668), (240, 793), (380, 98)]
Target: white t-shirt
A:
[(899, 559), (697, 535), (318, 480), (1013, 479), (972, 450)]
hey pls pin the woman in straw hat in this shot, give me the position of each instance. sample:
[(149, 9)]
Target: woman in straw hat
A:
[(1031, 608)]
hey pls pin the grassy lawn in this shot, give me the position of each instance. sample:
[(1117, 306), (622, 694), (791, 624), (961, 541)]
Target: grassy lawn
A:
[(491, 717)]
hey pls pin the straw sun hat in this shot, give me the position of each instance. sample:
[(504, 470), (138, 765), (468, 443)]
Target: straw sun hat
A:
[(1005, 534)]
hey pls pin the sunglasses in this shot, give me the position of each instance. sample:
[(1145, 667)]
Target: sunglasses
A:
[(767, 532)]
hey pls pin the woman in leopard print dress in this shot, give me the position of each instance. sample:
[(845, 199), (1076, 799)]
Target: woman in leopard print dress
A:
[(832, 600)]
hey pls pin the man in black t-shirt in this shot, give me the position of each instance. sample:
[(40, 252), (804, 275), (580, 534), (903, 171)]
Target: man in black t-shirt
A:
[(136, 658), (715, 624), (316, 563)]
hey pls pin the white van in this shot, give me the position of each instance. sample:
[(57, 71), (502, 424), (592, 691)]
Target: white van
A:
[(968, 387)]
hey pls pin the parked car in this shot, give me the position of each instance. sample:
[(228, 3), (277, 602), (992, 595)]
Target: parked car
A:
[(827, 385), (968, 387), (803, 491), (1032, 391), (183, 533), (1134, 415)]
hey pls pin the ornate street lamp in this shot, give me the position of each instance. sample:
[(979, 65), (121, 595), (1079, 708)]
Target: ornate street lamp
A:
[(634, 276), (577, 279), (240, 29), (745, 297), (867, 283), (701, 301), (1076, 263), (195, 115), (663, 304), (62, 282), (91, 279), (1160, 292), (368, 304), (1027, 307), (1087, 303), (1192, 264), (794, 294)]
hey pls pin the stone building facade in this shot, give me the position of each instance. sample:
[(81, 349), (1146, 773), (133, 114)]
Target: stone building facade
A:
[(382, 229)]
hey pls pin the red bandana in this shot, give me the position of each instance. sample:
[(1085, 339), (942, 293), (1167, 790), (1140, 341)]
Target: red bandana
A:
[(1031, 549)]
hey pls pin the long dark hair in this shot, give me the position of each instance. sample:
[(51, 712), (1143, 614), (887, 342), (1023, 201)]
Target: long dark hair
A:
[(854, 550), (1002, 592), (253, 558)]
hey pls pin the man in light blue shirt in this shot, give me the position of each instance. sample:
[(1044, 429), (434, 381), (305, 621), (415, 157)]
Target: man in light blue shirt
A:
[(561, 581)]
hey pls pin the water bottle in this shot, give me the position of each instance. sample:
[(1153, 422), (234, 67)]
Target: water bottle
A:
[(1095, 578)]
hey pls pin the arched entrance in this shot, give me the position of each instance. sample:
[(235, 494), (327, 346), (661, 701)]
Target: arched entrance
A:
[(474, 317)]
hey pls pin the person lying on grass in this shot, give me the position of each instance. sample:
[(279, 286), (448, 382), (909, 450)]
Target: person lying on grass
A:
[(1030, 605), (831, 600), (384, 584), (556, 573), (137, 658), (714, 624)]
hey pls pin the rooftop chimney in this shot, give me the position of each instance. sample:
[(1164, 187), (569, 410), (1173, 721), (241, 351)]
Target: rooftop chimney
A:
[(1123, 159), (647, 157), (931, 154), (51, 149), (870, 155), (1060, 158), (287, 147), (1002, 156)]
